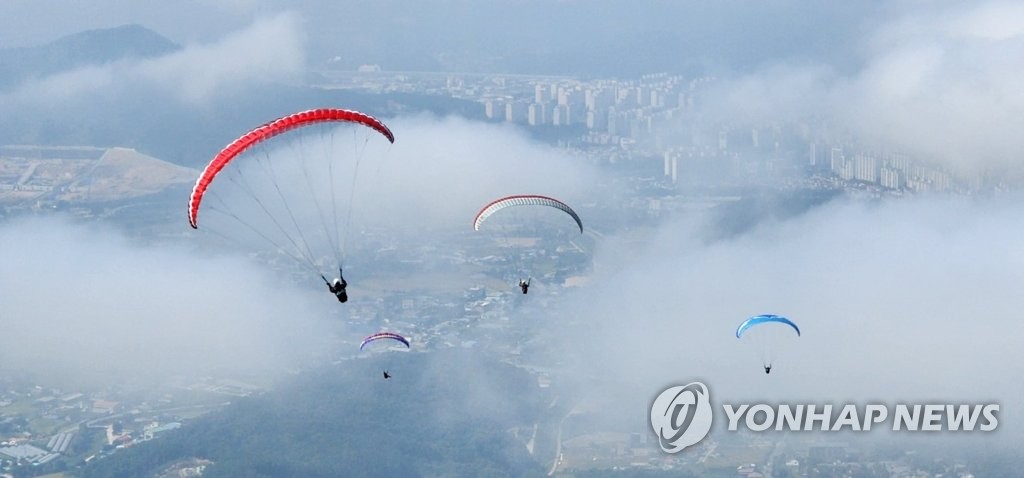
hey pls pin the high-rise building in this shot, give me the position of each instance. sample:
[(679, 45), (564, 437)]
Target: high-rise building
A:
[(836, 160), (865, 167), (671, 164), (537, 114), (596, 99), (539, 93), (516, 112), (564, 95), (846, 171), (494, 109), (643, 96), (626, 97), (560, 116), (890, 178), (613, 122), (597, 120)]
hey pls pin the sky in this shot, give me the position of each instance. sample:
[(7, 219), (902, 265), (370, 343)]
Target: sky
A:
[(913, 299)]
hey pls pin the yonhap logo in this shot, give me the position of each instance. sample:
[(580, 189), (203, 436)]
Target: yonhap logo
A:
[(681, 416)]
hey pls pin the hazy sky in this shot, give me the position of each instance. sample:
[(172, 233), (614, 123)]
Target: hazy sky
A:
[(532, 36)]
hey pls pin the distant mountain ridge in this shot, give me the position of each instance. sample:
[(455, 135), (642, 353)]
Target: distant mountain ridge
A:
[(87, 48)]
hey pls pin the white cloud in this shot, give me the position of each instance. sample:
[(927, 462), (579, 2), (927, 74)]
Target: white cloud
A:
[(939, 83), (908, 300), (83, 302), (443, 172), (267, 51)]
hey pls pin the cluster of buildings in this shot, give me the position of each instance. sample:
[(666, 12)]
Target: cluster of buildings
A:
[(29, 171), (22, 444), (439, 316), (842, 460), (613, 109), (889, 170), (759, 457), (19, 452), (610, 111), (48, 429), (656, 115)]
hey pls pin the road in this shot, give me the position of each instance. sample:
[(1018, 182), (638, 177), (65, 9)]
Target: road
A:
[(558, 440), (92, 422)]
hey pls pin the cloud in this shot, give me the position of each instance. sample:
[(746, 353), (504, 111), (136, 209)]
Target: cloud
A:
[(898, 301), (443, 172), (85, 303), (937, 82), (267, 51)]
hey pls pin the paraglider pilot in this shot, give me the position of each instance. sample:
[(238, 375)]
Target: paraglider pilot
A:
[(337, 287), (524, 284)]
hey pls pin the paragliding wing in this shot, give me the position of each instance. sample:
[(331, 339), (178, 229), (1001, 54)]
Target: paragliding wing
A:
[(524, 200), (267, 131), (384, 336), (764, 319)]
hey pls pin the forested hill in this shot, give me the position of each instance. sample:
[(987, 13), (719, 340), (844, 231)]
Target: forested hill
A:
[(442, 414)]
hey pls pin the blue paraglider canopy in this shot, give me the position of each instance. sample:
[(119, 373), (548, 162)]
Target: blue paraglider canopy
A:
[(764, 319)]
